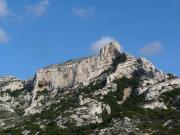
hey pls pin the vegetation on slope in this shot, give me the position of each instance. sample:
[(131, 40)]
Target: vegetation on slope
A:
[(152, 121)]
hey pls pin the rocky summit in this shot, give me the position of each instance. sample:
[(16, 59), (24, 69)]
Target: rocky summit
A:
[(112, 93)]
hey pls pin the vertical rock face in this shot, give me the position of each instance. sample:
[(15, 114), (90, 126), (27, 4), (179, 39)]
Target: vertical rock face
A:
[(78, 71)]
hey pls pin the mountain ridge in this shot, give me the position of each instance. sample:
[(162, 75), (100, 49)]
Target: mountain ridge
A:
[(109, 93)]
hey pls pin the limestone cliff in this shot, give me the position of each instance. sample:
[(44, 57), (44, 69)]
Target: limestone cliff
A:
[(73, 72)]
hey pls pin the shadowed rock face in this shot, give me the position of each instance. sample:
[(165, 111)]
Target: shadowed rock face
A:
[(78, 71)]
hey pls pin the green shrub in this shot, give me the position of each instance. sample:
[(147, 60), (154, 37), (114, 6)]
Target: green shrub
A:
[(15, 93), (93, 86), (170, 96)]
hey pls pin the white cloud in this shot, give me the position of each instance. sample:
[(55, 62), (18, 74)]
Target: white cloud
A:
[(84, 12), (38, 9), (96, 46), (154, 48), (3, 8), (4, 12), (3, 36), (6, 15)]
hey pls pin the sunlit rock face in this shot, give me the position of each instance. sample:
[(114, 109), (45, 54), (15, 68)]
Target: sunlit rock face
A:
[(77, 71), (10, 83)]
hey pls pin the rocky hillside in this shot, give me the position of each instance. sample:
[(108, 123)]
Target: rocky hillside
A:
[(112, 93)]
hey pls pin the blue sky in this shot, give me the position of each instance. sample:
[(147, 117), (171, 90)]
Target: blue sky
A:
[(36, 33)]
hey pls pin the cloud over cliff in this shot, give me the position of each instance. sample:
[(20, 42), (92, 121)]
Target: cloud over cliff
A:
[(97, 45)]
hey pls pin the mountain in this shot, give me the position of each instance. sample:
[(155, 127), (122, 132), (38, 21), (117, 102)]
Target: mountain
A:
[(112, 93)]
